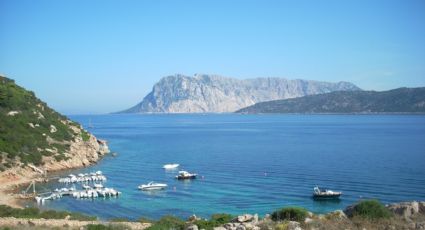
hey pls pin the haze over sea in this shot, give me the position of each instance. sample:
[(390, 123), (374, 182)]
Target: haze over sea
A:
[(253, 163)]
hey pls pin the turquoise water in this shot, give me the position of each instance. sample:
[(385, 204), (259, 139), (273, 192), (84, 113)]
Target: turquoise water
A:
[(254, 163)]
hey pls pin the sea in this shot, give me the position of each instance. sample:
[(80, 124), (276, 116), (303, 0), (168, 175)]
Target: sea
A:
[(250, 163)]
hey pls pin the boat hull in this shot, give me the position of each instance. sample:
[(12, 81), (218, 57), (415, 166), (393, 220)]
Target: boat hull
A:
[(186, 177), (327, 196), (152, 188)]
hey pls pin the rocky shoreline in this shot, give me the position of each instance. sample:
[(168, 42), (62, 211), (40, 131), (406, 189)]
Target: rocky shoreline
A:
[(81, 153), (405, 215)]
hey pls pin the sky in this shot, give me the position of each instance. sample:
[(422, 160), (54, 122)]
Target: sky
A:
[(101, 56)]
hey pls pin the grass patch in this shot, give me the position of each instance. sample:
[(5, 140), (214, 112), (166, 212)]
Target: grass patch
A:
[(290, 213)]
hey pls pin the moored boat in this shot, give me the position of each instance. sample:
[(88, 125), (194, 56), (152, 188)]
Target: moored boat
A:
[(323, 193), (170, 166), (152, 186), (183, 175)]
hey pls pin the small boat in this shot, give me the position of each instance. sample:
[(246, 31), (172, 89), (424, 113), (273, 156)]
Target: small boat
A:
[(170, 166), (97, 185), (86, 186), (152, 186), (323, 193), (183, 175)]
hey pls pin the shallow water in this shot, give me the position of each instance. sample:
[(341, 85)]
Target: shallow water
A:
[(253, 163)]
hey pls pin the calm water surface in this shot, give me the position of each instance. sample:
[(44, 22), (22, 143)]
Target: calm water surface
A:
[(253, 163)]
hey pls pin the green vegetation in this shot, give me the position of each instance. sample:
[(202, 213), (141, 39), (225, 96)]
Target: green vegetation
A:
[(371, 209), (6, 211), (290, 213), (85, 135), (168, 222), (25, 125), (402, 100), (215, 221)]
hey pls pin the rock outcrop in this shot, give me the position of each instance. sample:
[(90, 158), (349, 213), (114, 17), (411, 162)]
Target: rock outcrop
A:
[(211, 93)]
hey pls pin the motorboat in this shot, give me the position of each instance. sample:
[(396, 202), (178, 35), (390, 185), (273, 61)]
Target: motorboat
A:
[(152, 186), (323, 193), (170, 166), (183, 175)]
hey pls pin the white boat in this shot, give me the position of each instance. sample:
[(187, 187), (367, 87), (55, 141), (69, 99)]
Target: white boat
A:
[(86, 186), (152, 186), (97, 185), (323, 193), (170, 166)]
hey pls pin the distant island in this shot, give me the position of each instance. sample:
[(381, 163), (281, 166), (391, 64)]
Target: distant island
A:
[(216, 94), (401, 100)]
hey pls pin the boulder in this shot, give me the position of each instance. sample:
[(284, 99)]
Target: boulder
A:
[(240, 227), (405, 209), (255, 220), (192, 227), (422, 207), (308, 220), (336, 215), (219, 228), (244, 218), (248, 225), (293, 225)]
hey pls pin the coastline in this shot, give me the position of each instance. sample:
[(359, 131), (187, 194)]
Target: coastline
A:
[(82, 154)]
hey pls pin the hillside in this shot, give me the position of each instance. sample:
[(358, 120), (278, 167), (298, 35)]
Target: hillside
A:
[(211, 93), (401, 100), (31, 133)]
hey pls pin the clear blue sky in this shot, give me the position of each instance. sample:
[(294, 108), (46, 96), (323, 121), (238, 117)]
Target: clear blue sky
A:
[(103, 56)]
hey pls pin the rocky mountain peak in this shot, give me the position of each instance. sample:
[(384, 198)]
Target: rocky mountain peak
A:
[(204, 93)]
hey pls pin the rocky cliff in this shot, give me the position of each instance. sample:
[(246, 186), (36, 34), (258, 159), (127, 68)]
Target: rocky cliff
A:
[(211, 93)]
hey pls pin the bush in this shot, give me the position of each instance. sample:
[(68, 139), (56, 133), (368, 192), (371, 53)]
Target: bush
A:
[(215, 221), (290, 213), (371, 209), (167, 223), (85, 135), (221, 218)]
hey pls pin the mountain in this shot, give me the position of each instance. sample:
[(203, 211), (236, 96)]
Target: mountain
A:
[(211, 93), (32, 134), (401, 100)]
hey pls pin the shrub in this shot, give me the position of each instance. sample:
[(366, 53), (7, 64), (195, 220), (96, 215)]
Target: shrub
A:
[(290, 213), (168, 222), (221, 218), (85, 135), (215, 221), (371, 209)]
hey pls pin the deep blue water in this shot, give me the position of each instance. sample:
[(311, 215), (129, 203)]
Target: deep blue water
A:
[(254, 163)]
